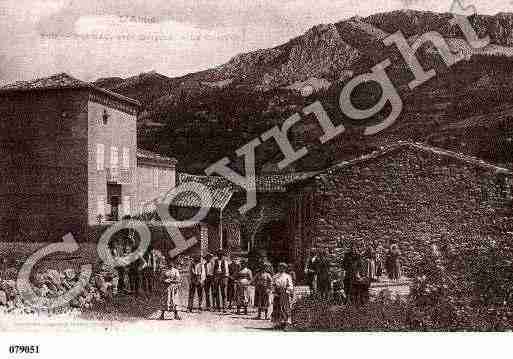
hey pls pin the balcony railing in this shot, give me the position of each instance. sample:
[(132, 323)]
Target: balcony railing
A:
[(119, 175)]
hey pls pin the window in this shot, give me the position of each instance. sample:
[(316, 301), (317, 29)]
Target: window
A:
[(156, 178), (101, 206), (126, 158), (224, 240), (63, 121), (126, 206), (114, 157), (100, 156), (105, 117)]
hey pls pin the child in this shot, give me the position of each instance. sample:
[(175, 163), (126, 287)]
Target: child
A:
[(171, 280), (263, 286)]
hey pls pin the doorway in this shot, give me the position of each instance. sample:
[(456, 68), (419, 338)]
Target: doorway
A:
[(114, 199), (274, 240)]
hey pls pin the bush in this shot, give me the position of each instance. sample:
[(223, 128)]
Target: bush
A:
[(466, 286)]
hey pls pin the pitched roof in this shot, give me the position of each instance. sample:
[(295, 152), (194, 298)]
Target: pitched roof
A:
[(220, 189), (279, 182), (61, 81), (418, 146), (154, 158)]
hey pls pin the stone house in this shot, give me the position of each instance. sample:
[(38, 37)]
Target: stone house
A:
[(69, 159), (403, 193)]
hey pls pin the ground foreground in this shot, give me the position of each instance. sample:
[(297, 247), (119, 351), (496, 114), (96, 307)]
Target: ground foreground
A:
[(135, 314), (206, 321)]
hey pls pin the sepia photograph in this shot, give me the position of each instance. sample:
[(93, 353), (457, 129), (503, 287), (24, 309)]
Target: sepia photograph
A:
[(267, 169)]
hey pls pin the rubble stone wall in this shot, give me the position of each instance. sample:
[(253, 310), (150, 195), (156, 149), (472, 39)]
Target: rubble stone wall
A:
[(409, 197)]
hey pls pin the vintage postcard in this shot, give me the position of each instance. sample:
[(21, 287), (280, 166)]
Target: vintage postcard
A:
[(255, 167)]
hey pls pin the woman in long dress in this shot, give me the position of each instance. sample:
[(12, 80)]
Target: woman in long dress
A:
[(244, 278), (369, 263), (283, 292), (170, 294), (323, 276)]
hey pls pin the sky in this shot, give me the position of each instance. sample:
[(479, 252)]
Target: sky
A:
[(101, 38)]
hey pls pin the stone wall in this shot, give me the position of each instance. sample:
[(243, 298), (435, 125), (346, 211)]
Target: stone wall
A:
[(43, 162), (408, 196)]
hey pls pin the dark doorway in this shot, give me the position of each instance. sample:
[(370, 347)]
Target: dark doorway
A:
[(273, 239), (114, 199), (224, 242)]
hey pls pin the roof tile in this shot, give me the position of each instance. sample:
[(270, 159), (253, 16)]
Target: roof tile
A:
[(148, 155), (61, 81)]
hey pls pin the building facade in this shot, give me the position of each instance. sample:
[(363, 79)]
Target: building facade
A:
[(69, 159)]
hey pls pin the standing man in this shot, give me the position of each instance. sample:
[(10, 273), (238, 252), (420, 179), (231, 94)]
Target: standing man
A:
[(221, 273), (242, 281), (134, 272), (311, 269), (264, 261), (233, 270), (283, 295), (170, 290), (351, 265), (150, 271), (209, 281), (117, 254), (322, 274), (197, 280)]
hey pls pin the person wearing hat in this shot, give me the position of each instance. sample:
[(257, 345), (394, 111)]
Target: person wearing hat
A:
[(221, 273), (323, 275), (351, 265), (171, 284), (209, 280), (263, 286), (283, 292), (233, 269), (197, 278), (263, 260), (311, 269)]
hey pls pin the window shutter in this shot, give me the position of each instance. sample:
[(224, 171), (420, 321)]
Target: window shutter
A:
[(100, 157), (114, 160), (101, 206), (156, 178), (126, 158)]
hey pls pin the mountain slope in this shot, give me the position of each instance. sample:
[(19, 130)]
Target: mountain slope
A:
[(220, 109)]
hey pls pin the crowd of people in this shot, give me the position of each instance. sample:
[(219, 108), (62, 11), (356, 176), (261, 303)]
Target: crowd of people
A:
[(225, 283), (359, 269), (214, 282), (219, 282)]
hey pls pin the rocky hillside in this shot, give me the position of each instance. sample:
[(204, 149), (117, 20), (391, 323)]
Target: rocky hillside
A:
[(201, 117)]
